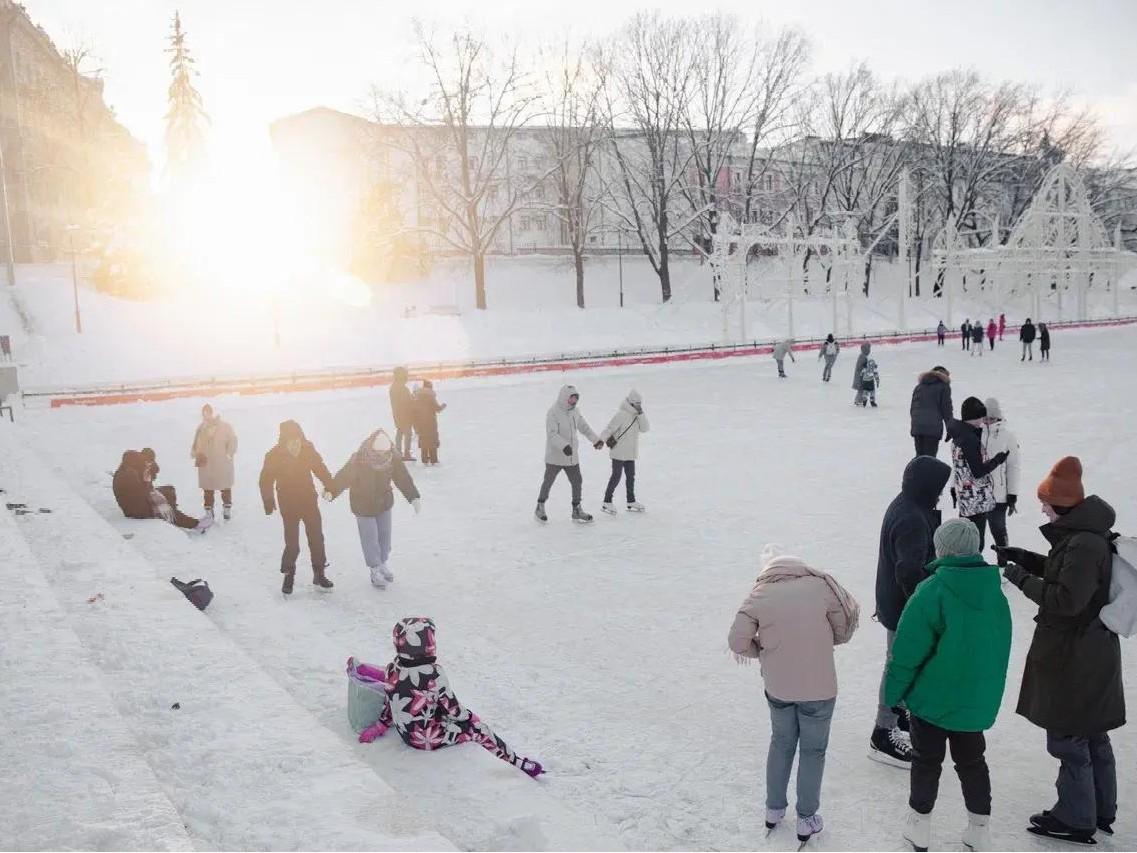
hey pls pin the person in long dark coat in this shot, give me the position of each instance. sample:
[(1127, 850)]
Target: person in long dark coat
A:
[(1072, 684), (866, 348), (402, 413), (427, 407), (931, 410)]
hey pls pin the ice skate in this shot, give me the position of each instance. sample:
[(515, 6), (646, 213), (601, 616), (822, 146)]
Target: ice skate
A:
[(320, 579), (377, 579), (891, 746), (773, 818), (208, 514), (286, 586), (807, 827), (918, 830), (539, 513), (580, 516), (608, 508), (636, 506), (227, 512), (386, 573), (1048, 826), (977, 836)]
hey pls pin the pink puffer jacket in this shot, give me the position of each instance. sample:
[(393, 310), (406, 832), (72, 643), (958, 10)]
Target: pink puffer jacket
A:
[(791, 621)]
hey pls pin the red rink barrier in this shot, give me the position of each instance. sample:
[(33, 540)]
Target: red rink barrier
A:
[(297, 383)]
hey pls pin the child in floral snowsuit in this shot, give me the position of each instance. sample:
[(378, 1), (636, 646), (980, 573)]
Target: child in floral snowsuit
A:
[(422, 707)]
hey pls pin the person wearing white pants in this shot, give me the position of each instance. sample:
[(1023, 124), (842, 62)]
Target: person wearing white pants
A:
[(369, 474)]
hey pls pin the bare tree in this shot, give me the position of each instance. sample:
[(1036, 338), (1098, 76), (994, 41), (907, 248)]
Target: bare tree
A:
[(458, 139), (573, 136), (648, 86)]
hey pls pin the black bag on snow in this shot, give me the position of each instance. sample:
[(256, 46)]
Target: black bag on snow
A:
[(197, 591)]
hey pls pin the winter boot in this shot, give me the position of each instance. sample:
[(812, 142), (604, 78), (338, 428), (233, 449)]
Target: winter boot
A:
[(807, 827), (320, 579), (977, 836), (1048, 826), (918, 830), (227, 512), (386, 573), (891, 746), (377, 579), (774, 817), (580, 516), (539, 513), (608, 508), (636, 506), (289, 577)]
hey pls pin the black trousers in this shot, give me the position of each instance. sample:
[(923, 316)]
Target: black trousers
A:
[(226, 497), (929, 747), (551, 472), (313, 527), (980, 521), (180, 518), (940, 339), (403, 437), (998, 521), (926, 445), (628, 469)]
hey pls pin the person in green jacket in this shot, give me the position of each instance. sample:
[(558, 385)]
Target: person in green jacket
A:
[(949, 668)]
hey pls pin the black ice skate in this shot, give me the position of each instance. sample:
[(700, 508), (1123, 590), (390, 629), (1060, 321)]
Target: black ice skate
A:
[(890, 746), (1048, 826), (580, 516), (539, 513)]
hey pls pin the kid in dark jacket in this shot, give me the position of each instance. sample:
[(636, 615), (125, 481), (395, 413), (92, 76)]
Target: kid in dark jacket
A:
[(954, 631), (423, 708)]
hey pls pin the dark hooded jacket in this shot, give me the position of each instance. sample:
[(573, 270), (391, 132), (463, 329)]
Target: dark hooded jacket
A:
[(1072, 679), (906, 537), (1027, 333), (402, 401), (866, 348), (132, 486), (427, 408), (1044, 338), (291, 476), (931, 404), (369, 476)]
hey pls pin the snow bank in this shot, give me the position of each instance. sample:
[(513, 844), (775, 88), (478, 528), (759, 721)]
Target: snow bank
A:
[(243, 764)]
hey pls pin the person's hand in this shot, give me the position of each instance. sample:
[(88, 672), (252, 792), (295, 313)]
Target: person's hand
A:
[(416, 504), (1013, 555), (954, 498), (611, 442), (1001, 457), (599, 444), (1011, 501), (328, 496), (1016, 574), (568, 450)]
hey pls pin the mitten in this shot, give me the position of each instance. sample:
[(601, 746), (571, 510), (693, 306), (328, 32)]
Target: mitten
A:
[(611, 442), (1001, 457), (599, 444), (1016, 574), (568, 450)]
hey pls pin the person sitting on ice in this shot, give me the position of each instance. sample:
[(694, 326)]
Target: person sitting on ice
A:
[(422, 706), (138, 497), (622, 435), (955, 630)]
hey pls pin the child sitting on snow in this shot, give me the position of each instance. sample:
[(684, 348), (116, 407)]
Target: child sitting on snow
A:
[(422, 707)]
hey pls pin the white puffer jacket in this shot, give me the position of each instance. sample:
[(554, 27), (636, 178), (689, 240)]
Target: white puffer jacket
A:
[(626, 427), (996, 438), (562, 424)]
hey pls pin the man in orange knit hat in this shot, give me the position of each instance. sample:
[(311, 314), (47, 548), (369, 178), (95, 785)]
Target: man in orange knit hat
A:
[(1072, 681)]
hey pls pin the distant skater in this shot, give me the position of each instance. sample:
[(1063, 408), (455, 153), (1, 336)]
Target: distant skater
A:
[(828, 351), (781, 350)]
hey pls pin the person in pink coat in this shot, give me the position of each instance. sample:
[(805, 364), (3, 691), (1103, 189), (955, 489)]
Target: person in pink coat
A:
[(790, 622), (992, 330), (1002, 325)]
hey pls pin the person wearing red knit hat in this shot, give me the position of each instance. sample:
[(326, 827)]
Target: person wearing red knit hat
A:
[(1072, 680)]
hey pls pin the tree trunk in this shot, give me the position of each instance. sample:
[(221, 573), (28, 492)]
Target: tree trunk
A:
[(480, 279), (868, 272), (578, 260), (664, 273), (919, 257)]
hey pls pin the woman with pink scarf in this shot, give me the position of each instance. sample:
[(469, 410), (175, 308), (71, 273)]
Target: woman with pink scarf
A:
[(790, 622)]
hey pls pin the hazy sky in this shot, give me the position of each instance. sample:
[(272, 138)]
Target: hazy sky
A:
[(261, 59)]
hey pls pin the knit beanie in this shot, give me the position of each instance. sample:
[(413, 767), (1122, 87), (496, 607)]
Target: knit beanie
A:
[(1063, 485), (957, 537), (972, 409), (994, 410)]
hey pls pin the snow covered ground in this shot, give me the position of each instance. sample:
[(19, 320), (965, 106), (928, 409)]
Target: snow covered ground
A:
[(598, 650), (327, 322)]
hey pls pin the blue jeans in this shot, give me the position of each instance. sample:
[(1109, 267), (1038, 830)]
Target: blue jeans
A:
[(801, 727), (375, 538)]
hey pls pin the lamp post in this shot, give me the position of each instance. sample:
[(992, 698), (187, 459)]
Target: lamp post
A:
[(71, 229)]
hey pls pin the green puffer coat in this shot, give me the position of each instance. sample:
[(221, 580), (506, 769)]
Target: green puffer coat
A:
[(952, 646)]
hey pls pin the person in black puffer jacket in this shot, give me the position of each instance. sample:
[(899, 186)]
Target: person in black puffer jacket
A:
[(1072, 683), (905, 549), (1026, 335), (288, 470), (931, 410)]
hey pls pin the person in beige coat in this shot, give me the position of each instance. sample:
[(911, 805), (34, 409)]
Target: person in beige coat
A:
[(214, 446), (790, 622)]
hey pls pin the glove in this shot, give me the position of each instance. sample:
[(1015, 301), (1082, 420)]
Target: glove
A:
[(568, 450), (1026, 560), (328, 496), (1016, 574), (416, 504), (598, 444), (1011, 501), (1000, 458), (270, 509), (954, 498), (611, 442), (372, 732)]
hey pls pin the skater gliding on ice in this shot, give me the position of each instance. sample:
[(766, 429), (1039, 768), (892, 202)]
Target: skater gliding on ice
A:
[(992, 331), (781, 350), (828, 351), (1072, 682), (369, 475), (791, 621), (955, 630), (931, 410), (421, 705), (562, 423), (286, 481), (427, 409), (622, 436), (941, 333), (214, 446)]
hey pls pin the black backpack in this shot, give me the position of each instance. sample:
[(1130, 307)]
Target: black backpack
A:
[(197, 591)]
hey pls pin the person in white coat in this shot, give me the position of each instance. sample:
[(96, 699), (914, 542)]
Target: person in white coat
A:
[(213, 449), (781, 350), (562, 424), (622, 435), (996, 438)]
